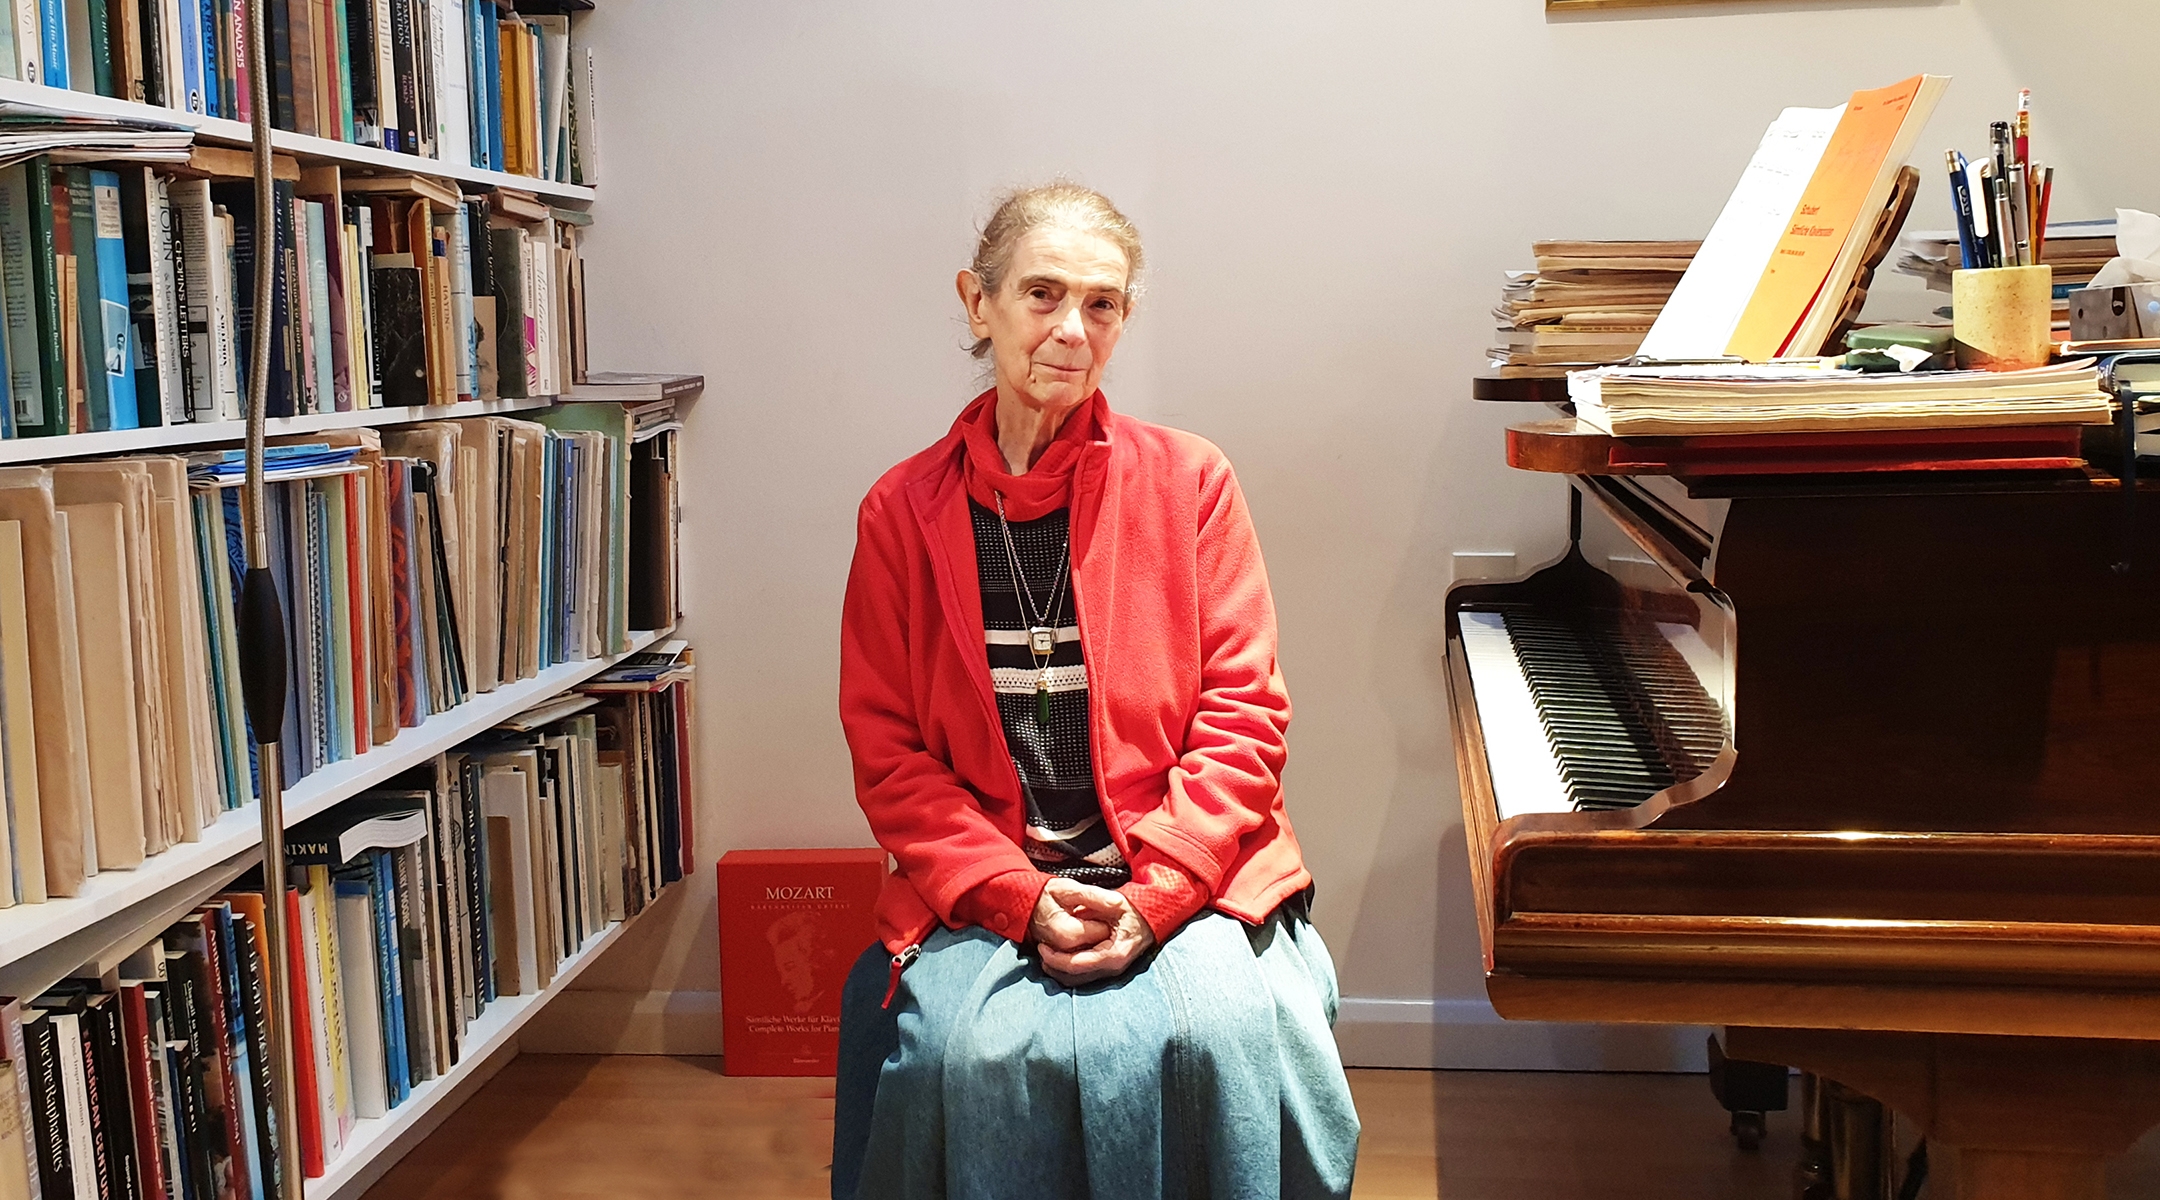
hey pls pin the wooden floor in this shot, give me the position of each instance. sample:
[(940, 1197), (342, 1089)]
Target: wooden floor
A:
[(648, 1128)]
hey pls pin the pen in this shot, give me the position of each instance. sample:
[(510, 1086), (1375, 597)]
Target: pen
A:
[(2005, 235), (1961, 202), (2020, 214), (1977, 176), (1999, 141)]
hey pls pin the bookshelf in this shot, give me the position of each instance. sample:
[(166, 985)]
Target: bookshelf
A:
[(41, 943), (312, 149), (339, 565)]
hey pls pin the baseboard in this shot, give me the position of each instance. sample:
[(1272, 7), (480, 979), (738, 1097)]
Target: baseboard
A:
[(1460, 1035), (1467, 1035), (612, 1022)]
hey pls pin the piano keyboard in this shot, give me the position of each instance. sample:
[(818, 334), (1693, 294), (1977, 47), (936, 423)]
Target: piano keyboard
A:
[(1586, 714)]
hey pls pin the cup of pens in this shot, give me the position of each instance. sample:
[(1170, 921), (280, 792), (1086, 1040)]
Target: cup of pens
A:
[(2001, 317), (2002, 304)]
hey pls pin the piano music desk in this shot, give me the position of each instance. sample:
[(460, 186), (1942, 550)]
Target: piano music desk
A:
[(1924, 859)]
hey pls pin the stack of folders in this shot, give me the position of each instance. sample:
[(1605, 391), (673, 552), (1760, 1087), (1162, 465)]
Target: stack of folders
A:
[(417, 566), (1738, 399), (1587, 302), (128, 296), (413, 907), (503, 86)]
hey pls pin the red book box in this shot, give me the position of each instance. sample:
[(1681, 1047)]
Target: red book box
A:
[(792, 922)]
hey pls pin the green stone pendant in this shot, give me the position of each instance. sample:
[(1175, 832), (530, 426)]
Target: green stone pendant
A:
[(1042, 700)]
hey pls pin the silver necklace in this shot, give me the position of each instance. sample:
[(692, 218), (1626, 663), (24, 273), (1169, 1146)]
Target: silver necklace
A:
[(1042, 630)]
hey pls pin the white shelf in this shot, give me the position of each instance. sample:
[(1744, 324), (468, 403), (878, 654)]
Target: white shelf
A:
[(162, 437), (362, 1161), (28, 928), (300, 145)]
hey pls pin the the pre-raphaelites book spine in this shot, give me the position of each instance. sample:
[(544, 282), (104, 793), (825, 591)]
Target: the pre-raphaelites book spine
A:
[(49, 1133)]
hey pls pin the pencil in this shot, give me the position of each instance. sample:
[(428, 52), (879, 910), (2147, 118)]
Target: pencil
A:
[(2047, 196)]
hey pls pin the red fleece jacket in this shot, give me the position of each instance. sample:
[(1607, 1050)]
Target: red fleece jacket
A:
[(1187, 709)]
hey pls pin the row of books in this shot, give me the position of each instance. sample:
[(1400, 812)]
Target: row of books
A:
[(416, 565), (500, 86), (1585, 302), (410, 909), (128, 296)]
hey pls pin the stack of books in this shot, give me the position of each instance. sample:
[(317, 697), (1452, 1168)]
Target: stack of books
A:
[(501, 86), (1586, 302), (129, 299), (1680, 401), (414, 907)]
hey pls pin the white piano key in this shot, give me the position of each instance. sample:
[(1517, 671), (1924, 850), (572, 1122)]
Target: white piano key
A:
[(1525, 776)]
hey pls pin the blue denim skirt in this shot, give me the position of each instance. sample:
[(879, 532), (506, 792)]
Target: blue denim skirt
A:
[(1208, 1071)]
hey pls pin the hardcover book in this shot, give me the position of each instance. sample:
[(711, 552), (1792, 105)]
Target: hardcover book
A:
[(792, 922)]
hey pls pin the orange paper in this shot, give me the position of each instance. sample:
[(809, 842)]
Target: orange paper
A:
[(1824, 220)]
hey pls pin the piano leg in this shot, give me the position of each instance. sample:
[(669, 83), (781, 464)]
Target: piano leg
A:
[(1813, 1173), (2030, 1118)]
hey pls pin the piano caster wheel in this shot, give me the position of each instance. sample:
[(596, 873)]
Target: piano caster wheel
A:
[(1748, 1129)]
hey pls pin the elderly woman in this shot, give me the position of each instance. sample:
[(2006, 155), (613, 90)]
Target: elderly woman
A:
[(1059, 686)]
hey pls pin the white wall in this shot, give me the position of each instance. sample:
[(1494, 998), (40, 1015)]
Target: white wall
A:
[(1329, 193)]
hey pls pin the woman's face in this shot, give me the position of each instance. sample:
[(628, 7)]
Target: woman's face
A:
[(1054, 322)]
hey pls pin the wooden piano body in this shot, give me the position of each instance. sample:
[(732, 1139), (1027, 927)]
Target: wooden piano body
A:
[(1926, 861)]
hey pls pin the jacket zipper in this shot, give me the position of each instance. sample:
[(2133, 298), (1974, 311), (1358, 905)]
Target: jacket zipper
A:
[(900, 962)]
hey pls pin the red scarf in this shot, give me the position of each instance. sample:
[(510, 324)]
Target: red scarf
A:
[(1047, 486)]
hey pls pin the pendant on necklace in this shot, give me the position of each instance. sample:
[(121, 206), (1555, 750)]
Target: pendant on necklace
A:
[(1042, 697), (1042, 639)]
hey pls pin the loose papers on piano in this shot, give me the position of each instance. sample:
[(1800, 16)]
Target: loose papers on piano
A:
[(1731, 398)]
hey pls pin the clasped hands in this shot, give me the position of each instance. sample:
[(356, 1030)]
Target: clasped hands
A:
[(1083, 934)]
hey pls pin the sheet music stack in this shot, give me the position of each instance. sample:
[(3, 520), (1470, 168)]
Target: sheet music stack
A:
[(1736, 399), (1587, 302)]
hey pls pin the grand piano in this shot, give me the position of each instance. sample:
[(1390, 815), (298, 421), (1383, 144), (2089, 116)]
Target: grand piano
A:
[(1863, 768)]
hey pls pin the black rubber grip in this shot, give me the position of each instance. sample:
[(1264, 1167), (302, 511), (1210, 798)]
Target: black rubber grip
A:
[(262, 654)]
